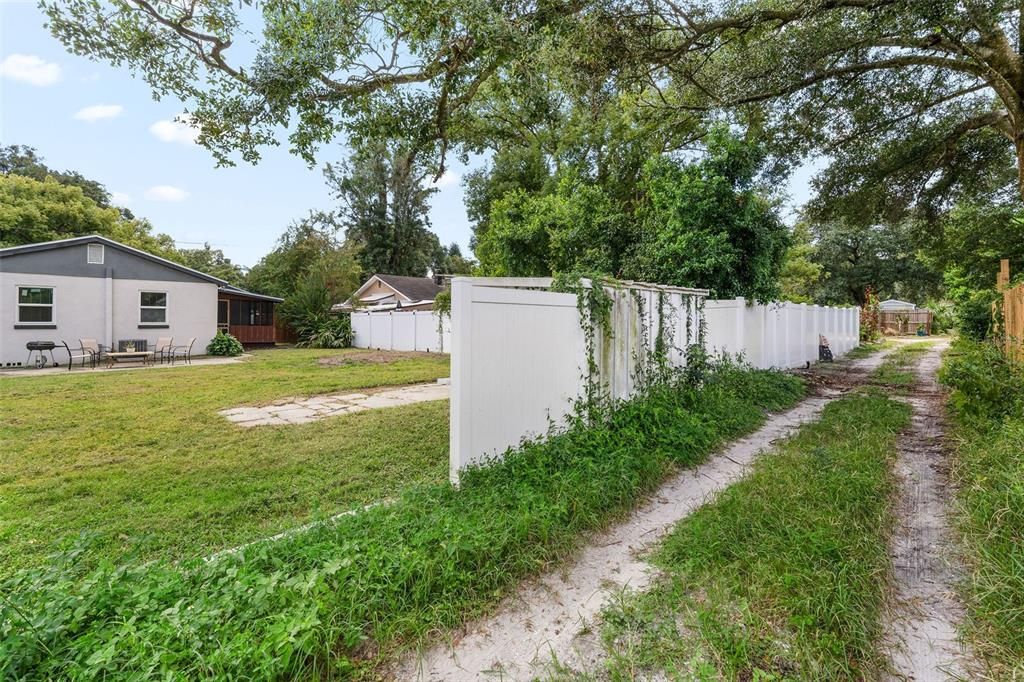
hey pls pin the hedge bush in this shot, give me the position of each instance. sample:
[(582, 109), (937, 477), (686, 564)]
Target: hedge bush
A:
[(224, 344)]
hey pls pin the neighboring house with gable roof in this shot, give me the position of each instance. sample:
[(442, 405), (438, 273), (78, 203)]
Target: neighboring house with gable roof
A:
[(386, 293)]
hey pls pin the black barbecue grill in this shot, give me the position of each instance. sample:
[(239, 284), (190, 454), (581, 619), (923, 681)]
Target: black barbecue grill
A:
[(40, 348)]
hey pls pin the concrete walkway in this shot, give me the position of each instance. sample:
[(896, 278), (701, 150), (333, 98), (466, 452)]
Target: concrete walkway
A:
[(305, 410)]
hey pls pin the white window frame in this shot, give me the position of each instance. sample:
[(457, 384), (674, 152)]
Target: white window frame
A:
[(165, 307), (18, 305), (88, 254)]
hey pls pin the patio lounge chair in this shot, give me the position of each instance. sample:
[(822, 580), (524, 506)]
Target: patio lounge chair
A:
[(163, 348), (88, 349), (183, 351)]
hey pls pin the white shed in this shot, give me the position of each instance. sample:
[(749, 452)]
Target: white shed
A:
[(894, 304)]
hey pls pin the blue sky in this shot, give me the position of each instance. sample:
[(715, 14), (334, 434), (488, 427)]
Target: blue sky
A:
[(126, 140), (104, 123)]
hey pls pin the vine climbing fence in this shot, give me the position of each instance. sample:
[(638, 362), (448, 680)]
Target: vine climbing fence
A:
[(522, 355)]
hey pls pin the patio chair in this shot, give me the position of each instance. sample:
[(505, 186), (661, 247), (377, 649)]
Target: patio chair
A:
[(88, 349), (163, 348), (183, 351)]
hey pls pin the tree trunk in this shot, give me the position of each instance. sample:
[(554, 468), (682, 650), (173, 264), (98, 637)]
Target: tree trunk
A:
[(1018, 145)]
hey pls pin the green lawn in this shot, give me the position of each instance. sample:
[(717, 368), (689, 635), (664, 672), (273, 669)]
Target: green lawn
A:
[(143, 459)]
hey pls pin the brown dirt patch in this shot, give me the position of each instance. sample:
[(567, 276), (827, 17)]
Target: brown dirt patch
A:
[(369, 357)]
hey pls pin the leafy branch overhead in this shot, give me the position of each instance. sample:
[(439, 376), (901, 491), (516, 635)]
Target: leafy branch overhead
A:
[(317, 65), (926, 94)]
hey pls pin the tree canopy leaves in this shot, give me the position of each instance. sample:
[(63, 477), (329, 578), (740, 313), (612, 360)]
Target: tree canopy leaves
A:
[(45, 210)]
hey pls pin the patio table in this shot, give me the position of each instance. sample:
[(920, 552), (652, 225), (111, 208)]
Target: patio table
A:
[(145, 356)]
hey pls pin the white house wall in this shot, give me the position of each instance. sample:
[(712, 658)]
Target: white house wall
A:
[(191, 311), (84, 308)]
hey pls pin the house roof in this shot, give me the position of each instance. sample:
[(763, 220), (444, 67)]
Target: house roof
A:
[(231, 289), (896, 303), (97, 239), (413, 288)]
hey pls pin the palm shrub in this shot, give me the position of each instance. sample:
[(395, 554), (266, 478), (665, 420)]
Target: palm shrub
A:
[(224, 344), (308, 312)]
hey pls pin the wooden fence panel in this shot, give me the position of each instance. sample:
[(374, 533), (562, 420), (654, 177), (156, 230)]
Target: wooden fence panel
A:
[(905, 321), (1013, 322)]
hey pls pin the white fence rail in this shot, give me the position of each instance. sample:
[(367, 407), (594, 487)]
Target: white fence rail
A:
[(779, 335), (520, 360), (410, 330)]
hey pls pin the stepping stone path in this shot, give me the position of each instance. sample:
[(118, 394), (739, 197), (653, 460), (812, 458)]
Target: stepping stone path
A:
[(305, 410)]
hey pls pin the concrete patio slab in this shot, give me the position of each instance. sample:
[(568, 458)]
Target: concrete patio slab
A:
[(313, 408)]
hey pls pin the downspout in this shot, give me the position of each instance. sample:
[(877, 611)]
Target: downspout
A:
[(108, 307)]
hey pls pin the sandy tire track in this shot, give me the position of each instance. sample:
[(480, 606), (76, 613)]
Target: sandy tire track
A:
[(551, 618), (921, 628)]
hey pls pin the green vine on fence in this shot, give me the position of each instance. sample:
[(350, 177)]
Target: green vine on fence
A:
[(651, 361), (595, 308), (443, 308)]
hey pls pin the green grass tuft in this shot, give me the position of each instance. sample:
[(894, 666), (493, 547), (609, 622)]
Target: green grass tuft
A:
[(784, 574), (987, 405)]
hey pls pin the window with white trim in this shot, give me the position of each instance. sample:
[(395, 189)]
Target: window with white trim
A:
[(94, 254), (35, 305), (153, 307)]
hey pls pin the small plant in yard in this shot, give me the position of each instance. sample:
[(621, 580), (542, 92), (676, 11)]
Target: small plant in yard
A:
[(224, 344), (333, 331), (312, 605), (308, 312), (870, 317)]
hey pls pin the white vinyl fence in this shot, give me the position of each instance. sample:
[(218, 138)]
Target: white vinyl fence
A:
[(408, 330), (520, 359), (779, 335)]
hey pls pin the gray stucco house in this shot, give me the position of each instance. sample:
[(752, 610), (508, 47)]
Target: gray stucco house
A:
[(96, 288)]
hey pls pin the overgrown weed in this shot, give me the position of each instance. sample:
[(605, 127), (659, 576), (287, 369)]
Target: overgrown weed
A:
[(987, 406)]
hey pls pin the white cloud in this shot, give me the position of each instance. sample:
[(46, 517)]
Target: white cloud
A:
[(447, 179), (30, 69), (177, 130), (98, 112), (166, 193), (120, 198)]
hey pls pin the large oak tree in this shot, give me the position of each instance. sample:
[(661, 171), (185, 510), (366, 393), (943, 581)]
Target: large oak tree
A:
[(923, 94)]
